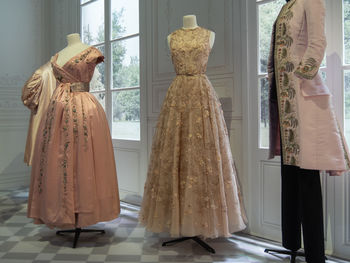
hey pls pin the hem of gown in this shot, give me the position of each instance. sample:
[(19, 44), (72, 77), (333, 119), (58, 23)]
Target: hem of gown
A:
[(39, 221), (233, 229)]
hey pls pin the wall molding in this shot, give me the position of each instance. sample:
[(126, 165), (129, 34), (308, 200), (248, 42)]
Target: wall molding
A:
[(347, 210), (263, 222), (124, 169)]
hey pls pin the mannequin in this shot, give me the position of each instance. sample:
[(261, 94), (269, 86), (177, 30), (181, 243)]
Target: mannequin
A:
[(63, 57), (182, 205), (75, 46), (293, 71), (190, 22)]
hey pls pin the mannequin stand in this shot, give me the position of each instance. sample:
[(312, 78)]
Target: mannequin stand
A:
[(293, 254), (77, 232), (196, 239)]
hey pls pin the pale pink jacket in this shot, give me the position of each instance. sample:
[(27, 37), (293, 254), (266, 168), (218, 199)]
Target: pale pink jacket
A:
[(321, 141)]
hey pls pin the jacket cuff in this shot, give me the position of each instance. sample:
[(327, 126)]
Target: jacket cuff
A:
[(307, 69)]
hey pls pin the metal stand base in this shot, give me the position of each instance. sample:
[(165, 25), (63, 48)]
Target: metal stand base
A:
[(77, 232), (196, 239), (293, 254)]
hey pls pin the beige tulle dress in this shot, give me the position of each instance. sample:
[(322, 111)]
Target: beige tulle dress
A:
[(73, 179), (192, 187)]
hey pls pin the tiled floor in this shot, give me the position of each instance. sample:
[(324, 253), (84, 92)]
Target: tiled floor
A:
[(124, 241)]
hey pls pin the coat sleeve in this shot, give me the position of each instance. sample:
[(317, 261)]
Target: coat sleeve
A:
[(313, 56), (31, 91)]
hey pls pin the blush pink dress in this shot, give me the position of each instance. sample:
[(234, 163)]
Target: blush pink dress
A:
[(192, 187), (73, 179)]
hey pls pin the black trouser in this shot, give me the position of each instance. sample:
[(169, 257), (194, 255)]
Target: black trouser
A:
[(302, 206)]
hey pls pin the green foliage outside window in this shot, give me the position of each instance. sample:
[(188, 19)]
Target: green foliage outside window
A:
[(126, 104)]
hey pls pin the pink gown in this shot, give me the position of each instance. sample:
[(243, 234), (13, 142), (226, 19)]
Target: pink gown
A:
[(74, 180)]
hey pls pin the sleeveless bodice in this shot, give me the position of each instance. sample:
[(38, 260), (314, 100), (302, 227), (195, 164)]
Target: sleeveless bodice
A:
[(190, 50), (79, 68)]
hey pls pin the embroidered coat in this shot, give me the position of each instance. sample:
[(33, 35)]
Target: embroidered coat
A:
[(301, 112)]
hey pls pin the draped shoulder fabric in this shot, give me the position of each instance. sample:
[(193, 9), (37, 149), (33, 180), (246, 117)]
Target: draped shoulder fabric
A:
[(305, 118), (36, 94), (192, 187), (73, 179)]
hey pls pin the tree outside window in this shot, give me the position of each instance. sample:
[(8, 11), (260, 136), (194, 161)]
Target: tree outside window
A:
[(123, 42)]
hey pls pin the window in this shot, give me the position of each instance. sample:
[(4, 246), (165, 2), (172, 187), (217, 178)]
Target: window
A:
[(346, 67), (113, 27), (267, 13)]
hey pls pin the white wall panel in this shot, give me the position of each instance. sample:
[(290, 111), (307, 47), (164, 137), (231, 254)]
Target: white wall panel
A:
[(128, 175), (347, 211), (214, 15), (64, 20), (23, 26), (271, 195)]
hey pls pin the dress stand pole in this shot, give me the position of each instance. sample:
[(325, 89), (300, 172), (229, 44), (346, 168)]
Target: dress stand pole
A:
[(195, 238), (77, 232)]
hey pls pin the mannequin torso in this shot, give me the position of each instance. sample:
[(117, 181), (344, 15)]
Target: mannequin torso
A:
[(74, 47), (190, 22)]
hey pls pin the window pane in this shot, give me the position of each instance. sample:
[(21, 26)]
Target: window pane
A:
[(264, 113), (324, 62), (346, 7), (93, 30), (267, 15), (126, 115), (125, 18), (98, 79), (323, 76), (126, 65), (101, 97), (347, 104)]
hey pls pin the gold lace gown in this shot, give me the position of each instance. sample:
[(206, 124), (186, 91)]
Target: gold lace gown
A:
[(192, 187)]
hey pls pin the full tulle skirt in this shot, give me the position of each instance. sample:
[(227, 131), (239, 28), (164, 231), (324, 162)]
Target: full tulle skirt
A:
[(192, 187)]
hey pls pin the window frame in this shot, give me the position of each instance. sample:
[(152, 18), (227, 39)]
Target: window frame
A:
[(107, 44)]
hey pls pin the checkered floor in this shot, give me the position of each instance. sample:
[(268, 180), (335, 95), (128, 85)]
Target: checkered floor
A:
[(124, 241)]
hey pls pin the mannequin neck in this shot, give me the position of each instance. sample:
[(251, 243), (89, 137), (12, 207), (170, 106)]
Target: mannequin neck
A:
[(73, 39), (190, 21)]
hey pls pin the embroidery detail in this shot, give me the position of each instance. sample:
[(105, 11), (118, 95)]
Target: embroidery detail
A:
[(64, 163), (285, 87), (306, 70), (85, 129), (83, 56), (75, 119), (46, 140)]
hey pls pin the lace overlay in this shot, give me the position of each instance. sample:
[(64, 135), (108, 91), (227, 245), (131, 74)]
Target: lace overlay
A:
[(192, 187)]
